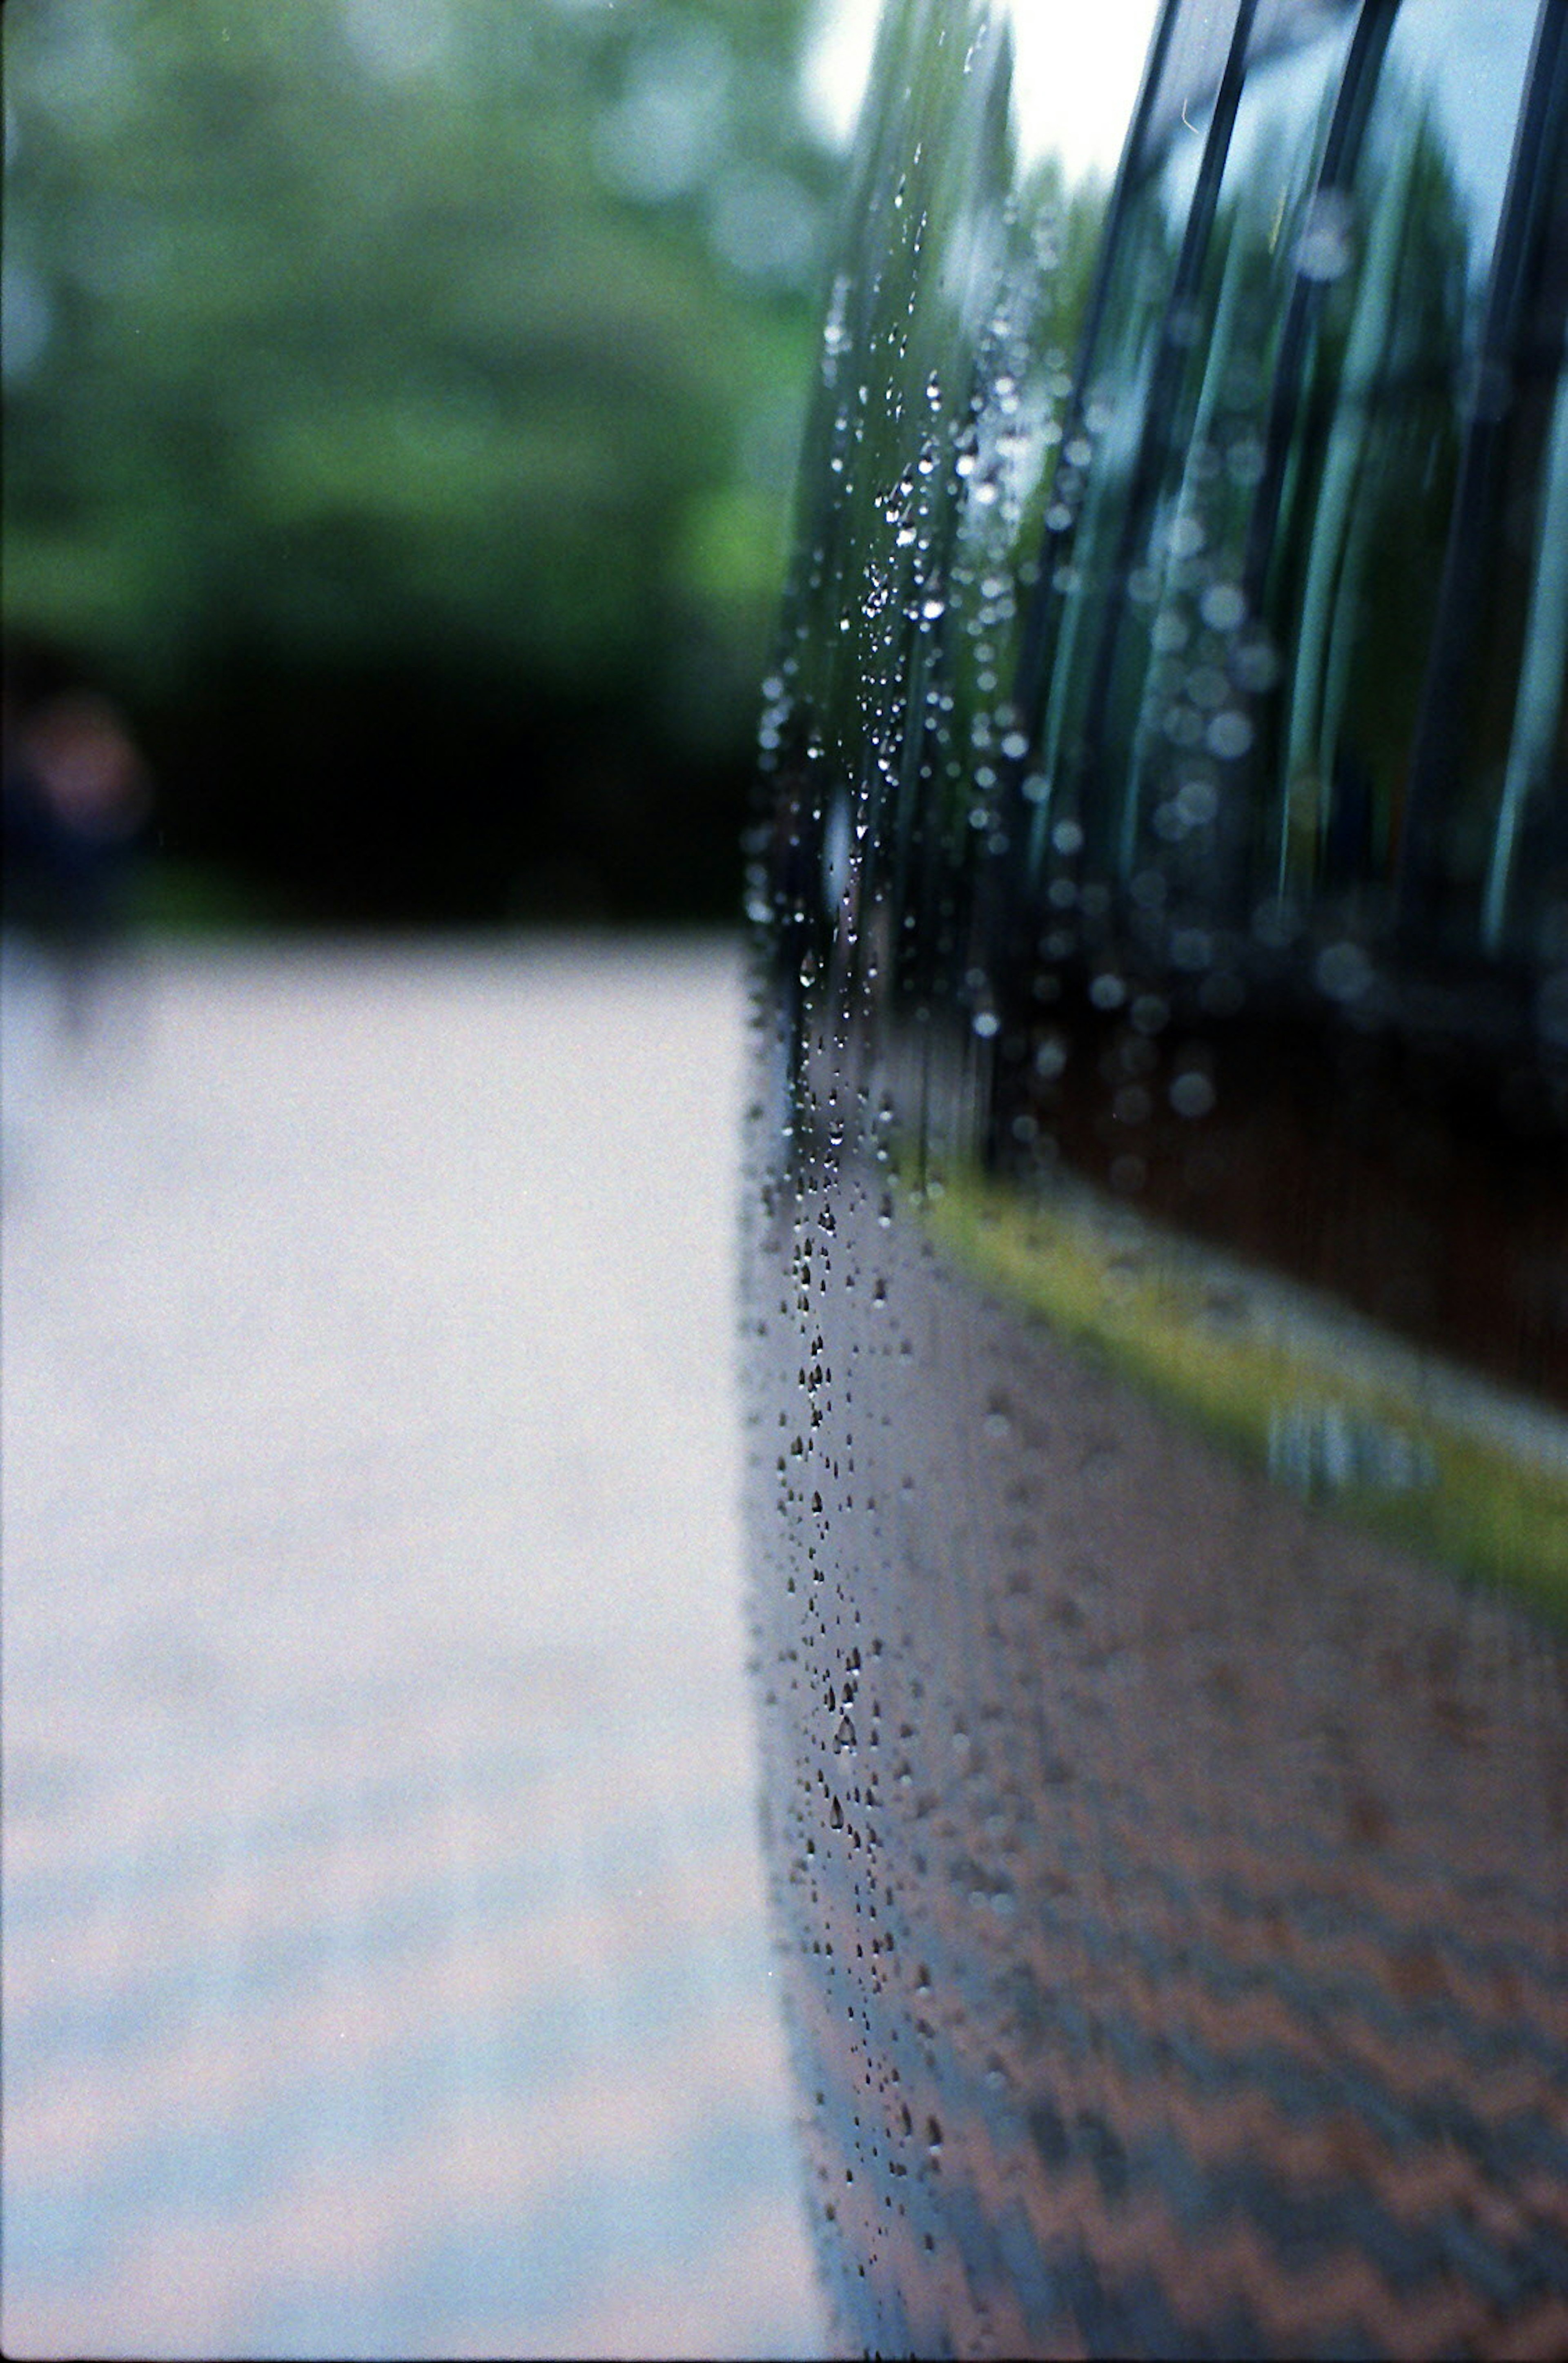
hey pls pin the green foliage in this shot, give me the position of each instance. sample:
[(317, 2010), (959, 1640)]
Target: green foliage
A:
[(351, 335)]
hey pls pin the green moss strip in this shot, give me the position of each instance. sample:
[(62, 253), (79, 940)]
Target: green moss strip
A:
[(1440, 1463)]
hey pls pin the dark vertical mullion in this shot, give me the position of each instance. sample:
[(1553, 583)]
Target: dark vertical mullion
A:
[(1342, 153), (1464, 588)]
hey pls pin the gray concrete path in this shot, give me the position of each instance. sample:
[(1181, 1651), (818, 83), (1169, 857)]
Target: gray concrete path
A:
[(385, 1969)]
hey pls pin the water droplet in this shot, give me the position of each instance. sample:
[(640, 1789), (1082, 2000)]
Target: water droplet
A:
[(1343, 971), (1229, 735), (1222, 607), (1197, 801), (1324, 250), (1191, 1094), (1254, 665)]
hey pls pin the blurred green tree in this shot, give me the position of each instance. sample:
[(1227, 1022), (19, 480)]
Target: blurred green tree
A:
[(401, 402)]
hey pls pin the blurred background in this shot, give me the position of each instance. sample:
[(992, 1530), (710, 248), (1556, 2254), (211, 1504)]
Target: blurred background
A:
[(401, 406), (402, 401)]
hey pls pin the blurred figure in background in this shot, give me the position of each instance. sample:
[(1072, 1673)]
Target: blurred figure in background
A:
[(76, 800)]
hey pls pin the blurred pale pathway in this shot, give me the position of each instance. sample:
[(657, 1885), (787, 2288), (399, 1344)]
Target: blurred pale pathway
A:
[(384, 1971)]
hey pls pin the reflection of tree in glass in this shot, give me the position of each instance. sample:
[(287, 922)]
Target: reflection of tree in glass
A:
[(1364, 541)]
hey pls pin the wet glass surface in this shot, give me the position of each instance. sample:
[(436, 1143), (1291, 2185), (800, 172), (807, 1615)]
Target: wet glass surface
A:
[(1157, 1259)]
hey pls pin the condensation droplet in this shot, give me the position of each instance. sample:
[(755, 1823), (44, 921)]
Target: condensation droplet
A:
[(1343, 971), (1229, 735), (1191, 1094), (1222, 607), (1324, 249)]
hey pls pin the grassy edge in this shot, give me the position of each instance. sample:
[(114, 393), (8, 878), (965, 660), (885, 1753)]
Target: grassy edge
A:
[(1487, 1512)]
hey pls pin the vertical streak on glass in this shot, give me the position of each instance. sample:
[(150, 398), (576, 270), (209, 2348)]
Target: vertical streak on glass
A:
[(1216, 362), (1084, 531), (1338, 532), (1542, 675), (1463, 591), (1342, 152), (1034, 650), (1171, 360)]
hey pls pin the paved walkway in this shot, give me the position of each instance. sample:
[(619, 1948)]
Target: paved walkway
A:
[(384, 1971)]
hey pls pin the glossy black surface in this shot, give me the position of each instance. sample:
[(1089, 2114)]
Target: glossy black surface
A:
[(1157, 1239)]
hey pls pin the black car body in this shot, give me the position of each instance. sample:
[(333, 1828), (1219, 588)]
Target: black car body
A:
[(1157, 1240)]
